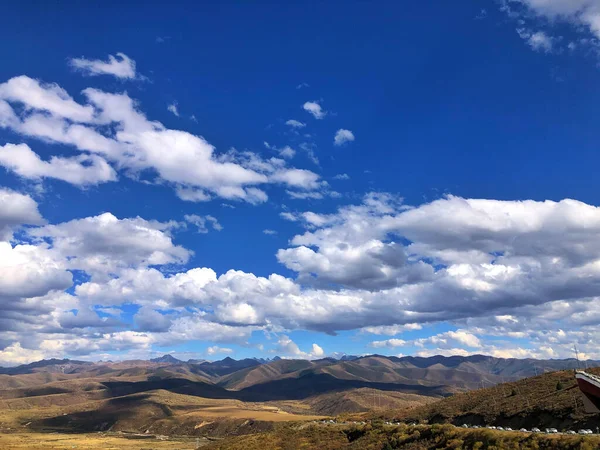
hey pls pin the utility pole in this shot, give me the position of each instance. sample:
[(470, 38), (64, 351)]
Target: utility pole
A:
[(576, 355)]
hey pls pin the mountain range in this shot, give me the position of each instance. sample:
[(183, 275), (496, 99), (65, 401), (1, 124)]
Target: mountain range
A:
[(169, 396), (290, 377)]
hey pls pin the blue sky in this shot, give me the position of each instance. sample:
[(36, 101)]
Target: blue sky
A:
[(171, 180)]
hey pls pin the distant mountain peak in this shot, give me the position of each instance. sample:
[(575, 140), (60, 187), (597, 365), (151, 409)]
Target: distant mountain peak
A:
[(51, 365), (196, 361), (340, 356), (166, 359)]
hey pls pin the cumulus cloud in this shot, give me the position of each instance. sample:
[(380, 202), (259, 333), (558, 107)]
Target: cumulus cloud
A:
[(390, 343), (120, 66), (16, 209), (509, 270), (288, 347), (315, 109), (203, 222), (298, 178), (348, 249), (150, 319), (213, 350), (51, 98), (451, 339), (80, 170), (342, 137), (104, 244), (582, 15), (14, 355), (30, 271), (579, 12), (392, 330), (269, 232), (476, 255), (113, 134)]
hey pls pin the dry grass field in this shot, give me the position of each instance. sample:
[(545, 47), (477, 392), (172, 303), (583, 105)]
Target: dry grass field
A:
[(160, 412), (382, 437), (93, 441)]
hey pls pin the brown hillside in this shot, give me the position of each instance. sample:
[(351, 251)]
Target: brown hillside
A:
[(548, 400)]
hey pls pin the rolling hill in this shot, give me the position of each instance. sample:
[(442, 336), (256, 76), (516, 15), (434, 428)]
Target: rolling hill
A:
[(230, 398), (548, 400)]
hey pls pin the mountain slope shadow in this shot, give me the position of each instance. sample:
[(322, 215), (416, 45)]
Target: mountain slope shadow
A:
[(176, 385), (313, 384), (128, 412)]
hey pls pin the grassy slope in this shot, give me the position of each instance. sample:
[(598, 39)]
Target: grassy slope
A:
[(334, 437), (267, 372), (526, 403), (363, 400)]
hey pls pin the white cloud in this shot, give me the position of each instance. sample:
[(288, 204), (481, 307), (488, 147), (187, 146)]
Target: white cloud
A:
[(348, 249), (298, 178), (582, 15), (305, 195), (269, 232), (80, 170), (287, 152), (192, 195), (45, 97), (15, 210), (295, 123), (57, 130), (444, 352), (30, 271), (450, 339), (315, 109), (120, 136), (538, 41), (317, 351), (288, 347), (389, 343), (105, 244), (202, 222), (392, 330), (341, 176), (196, 327), (578, 12), (523, 270), (309, 148), (343, 136), (120, 66), (216, 349), (150, 319), (172, 108), (14, 355)]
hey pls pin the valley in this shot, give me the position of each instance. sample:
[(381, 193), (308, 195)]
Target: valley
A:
[(227, 401)]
